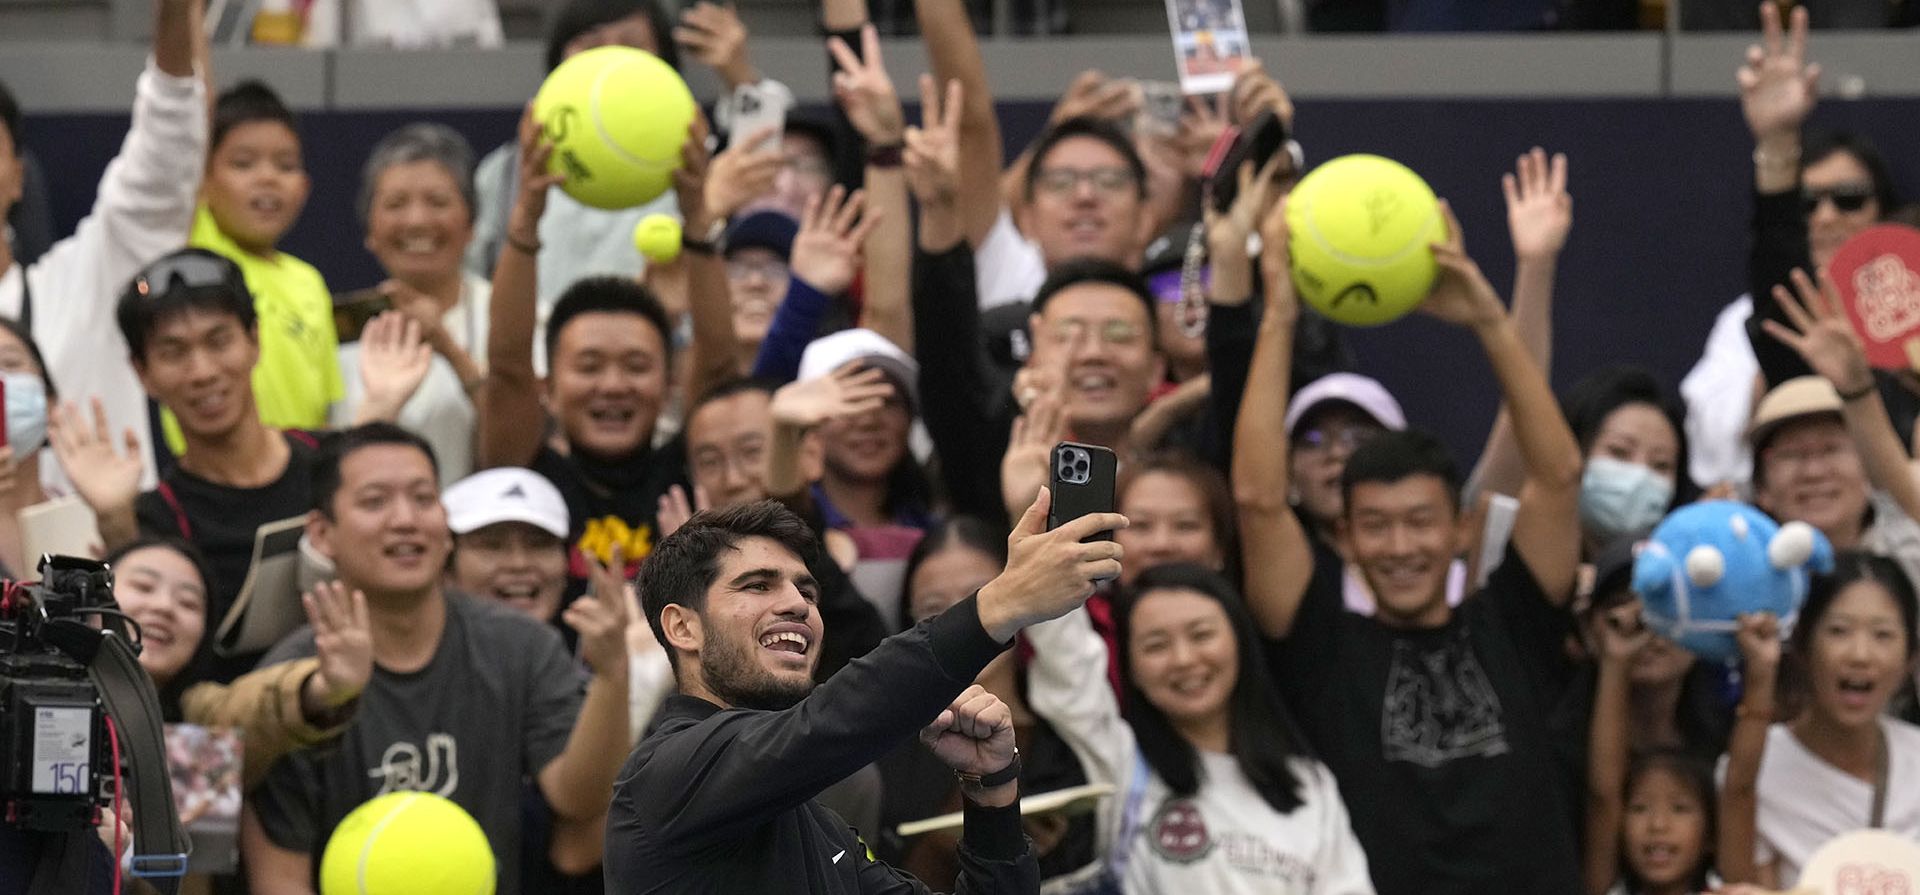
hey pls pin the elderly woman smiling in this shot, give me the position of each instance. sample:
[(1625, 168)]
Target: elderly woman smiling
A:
[(417, 202)]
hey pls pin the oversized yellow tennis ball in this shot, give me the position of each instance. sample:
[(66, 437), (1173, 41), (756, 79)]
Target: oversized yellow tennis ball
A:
[(617, 118), (407, 843), (657, 237), (1362, 229)]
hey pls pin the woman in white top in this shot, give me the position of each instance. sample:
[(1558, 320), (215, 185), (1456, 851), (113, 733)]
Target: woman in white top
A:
[(1840, 764), (1214, 792), (417, 201)]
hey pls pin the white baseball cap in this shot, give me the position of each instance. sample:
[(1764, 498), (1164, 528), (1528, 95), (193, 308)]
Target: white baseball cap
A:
[(830, 352), (506, 494), (1363, 392)]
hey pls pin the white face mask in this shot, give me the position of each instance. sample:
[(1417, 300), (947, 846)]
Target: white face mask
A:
[(1618, 498), (26, 413)]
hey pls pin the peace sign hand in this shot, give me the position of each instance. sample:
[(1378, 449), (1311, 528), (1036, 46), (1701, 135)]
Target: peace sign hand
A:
[(864, 89)]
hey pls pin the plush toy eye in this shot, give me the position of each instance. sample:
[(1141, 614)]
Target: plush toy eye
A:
[(1792, 547), (1705, 565)]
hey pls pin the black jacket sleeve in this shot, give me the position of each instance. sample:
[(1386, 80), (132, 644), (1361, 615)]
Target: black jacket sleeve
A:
[(849, 149), (994, 858), (968, 418), (1230, 337), (1779, 246), (717, 780)]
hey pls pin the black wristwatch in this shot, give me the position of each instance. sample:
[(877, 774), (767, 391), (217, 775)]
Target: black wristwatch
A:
[(712, 242)]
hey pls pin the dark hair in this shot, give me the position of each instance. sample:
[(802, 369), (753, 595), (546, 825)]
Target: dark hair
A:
[(1215, 493), (335, 448), (146, 304), (684, 564), (1819, 147), (10, 118), (1392, 456), (1092, 128), (1849, 568), (1598, 394), (1262, 735), (606, 295), (971, 532), (1080, 271), (33, 350), (200, 664), (578, 17), (244, 103), (1698, 778), (421, 141), (740, 385)]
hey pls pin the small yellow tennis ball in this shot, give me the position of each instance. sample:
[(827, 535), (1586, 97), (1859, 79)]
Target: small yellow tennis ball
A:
[(617, 118), (1362, 229), (657, 237), (407, 843)]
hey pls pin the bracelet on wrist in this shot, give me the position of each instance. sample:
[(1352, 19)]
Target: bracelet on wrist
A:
[(888, 155), (1848, 397), (522, 246)]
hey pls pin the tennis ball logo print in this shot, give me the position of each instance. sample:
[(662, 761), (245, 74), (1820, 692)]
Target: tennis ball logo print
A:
[(616, 117), (1361, 229)]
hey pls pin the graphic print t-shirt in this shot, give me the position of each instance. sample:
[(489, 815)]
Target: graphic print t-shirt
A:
[(1439, 736), (493, 707), (612, 502)]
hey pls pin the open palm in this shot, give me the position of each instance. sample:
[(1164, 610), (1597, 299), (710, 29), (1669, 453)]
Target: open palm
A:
[(1778, 87), (1821, 333)]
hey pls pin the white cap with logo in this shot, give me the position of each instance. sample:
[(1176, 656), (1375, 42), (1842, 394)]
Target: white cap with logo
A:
[(506, 494)]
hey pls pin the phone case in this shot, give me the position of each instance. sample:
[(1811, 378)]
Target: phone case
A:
[(1082, 480)]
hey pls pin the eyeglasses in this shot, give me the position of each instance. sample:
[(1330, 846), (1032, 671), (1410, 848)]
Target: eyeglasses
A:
[(806, 165), (1845, 197), (1065, 181), (1323, 439), (1118, 333), (1800, 458), (190, 269), (767, 268)]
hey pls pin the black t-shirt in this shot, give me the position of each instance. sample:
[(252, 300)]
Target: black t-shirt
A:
[(224, 522), (1439, 736), (612, 502)]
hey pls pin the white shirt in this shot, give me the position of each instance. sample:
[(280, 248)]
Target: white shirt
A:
[(404, 24), (1719, 395), (1226, 839), (1007, 267), (1804, 801), (143, 210), (440, 411)]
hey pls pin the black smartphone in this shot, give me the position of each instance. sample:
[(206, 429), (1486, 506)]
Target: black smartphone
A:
[(1265, 135), (352, 311), (1082, 482)]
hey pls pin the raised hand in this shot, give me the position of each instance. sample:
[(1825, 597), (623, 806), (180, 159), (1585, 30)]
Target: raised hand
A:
[(1200, 128), (863, 88), (1254, 91), (852, 389), (675, 509), (1821, 333), (1778, 86), (1622, 633), (1023, 471), (1539, 211), (1759, 639), (536, 153), (741, 173), (343, 641), (600, 617), (1049, 571), (393, 362), (826, 251), (714, 34), (1276, 261), (1227, 233), (107, 479), (1094, 95), (932, 154), (974, 736), (1461, 294)]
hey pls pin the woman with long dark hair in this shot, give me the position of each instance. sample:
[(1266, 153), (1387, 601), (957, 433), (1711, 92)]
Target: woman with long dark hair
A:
[(1216, 792)]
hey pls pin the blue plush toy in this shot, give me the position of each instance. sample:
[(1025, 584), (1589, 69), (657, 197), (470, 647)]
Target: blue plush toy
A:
[(1707, 563)]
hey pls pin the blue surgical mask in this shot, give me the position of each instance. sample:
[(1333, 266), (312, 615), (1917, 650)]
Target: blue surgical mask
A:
[(1618, 498), (26, 413)]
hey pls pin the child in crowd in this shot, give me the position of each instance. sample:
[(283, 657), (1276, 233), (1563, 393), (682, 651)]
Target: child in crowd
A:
[(255, 188)]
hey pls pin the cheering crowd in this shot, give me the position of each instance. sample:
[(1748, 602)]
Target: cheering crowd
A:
[(657, 568)]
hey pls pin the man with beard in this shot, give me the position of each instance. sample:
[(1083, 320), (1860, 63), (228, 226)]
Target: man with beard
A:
[(720, 798)]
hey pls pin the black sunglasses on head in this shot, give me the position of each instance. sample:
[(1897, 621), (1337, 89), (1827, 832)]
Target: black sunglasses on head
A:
[(1847, 197)]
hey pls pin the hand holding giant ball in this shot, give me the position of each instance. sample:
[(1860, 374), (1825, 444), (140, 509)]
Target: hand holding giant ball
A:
[(617, 118)]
